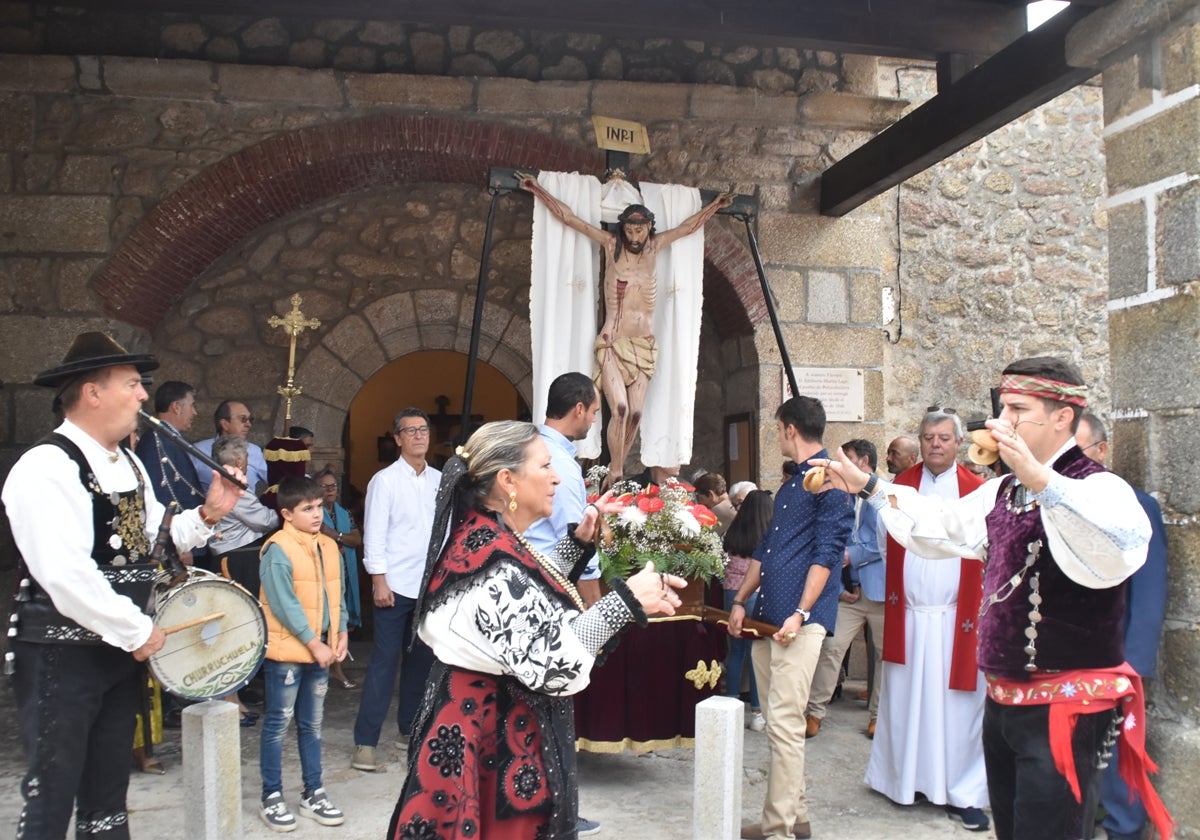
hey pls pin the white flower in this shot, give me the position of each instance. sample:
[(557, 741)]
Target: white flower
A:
[(633, 515), (1130, 721), (688, 525)]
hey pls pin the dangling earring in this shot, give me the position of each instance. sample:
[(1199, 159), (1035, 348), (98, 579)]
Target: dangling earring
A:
[(512, 501)]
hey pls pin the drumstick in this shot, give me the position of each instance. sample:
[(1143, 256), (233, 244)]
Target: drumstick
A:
[(194, 622)]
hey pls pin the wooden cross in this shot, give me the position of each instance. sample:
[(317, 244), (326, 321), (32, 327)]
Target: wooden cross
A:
[(293, 323)]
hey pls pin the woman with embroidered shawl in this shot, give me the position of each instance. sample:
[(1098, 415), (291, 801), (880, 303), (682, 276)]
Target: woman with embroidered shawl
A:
[(493, 748)]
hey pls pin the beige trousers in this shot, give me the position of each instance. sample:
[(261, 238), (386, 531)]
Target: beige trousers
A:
[(850, 621), (785, 675)]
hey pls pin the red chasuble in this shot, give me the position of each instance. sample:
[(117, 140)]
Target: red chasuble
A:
[(963, 667)]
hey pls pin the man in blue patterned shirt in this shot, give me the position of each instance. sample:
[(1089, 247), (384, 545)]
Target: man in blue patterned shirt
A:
[(799, 593)]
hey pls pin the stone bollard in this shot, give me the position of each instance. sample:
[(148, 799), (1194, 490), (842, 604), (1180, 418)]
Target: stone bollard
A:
[(717, 798), (212, 770)]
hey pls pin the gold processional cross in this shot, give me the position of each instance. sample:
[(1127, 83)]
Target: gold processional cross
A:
[(293, 323)]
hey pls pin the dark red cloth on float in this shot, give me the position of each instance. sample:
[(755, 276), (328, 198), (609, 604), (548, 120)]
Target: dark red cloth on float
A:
[(964, 673), (639, 698)]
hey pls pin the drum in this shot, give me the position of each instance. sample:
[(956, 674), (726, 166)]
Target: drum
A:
[(216, 636)]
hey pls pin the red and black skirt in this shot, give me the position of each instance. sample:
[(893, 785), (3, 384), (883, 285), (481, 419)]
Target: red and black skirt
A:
[(489, 759)]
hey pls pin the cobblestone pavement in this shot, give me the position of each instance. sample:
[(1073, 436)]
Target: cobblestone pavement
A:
[(635, 797)]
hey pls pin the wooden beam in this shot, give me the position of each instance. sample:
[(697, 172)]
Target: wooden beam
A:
[(1029, 73)]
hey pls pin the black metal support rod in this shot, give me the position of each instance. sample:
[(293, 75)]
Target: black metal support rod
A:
[(770, 301), (477, 320)]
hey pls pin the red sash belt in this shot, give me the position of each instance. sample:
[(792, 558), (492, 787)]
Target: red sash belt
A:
[(963, 666), (1073, 693)]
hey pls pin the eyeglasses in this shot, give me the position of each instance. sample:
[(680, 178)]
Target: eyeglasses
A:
[(331, 486), (1092, 445), (244, 418), (413, 431), (937, 409)]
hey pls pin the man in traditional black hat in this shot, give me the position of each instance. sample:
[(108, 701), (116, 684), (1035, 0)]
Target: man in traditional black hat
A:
[(84, 517), (626, 352)]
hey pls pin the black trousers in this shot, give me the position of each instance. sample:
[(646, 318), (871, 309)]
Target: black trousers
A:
[(76, 706), (1030, 799)]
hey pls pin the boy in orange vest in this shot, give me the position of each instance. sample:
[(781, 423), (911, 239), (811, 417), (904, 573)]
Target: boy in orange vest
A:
[(301, 595)]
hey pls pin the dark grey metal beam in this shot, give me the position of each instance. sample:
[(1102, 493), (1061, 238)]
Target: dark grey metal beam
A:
[(903, 28), (1028, 73)]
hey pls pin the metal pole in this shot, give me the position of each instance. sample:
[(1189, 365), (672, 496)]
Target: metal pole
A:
[(480, 294), (770, 301)]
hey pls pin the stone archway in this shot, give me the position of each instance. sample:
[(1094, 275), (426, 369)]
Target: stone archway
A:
[(205, 218), (335, 370)]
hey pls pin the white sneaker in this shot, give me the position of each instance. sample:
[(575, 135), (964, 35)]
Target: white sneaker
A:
[(757, 722), (317, 807), (274, 812)]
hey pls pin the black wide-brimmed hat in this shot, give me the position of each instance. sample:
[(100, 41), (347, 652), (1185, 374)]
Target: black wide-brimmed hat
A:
[(92, 351)]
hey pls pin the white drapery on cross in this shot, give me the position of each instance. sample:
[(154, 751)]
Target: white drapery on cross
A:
[(563, 303)]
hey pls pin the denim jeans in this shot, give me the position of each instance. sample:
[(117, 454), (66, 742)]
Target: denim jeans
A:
[(739, 652), (393, 629), (293, 689)]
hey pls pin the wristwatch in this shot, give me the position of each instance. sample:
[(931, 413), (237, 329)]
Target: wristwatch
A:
[(804, 614), (869, 490)]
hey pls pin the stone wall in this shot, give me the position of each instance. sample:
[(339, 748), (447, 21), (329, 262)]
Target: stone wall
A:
[(1001, 253), (372, 46), (98, 152), (1151, 109)]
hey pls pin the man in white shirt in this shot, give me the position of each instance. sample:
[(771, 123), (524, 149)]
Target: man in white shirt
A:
[(1061, 537), (398, 520), (234, 418), (84, 517)]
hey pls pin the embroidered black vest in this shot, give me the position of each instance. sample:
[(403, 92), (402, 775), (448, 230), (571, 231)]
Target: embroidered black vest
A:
[(121, 550), (1076, 627)]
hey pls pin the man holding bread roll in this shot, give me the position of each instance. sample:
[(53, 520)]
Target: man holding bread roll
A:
[(1059, 538), (793, 564)]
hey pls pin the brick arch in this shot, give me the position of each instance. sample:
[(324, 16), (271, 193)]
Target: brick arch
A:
[(732, 292), (363, 342), (207, 216), (202, 220)]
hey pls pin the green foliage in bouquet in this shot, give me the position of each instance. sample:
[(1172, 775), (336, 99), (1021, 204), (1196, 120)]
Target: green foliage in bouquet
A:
[(663, 525)]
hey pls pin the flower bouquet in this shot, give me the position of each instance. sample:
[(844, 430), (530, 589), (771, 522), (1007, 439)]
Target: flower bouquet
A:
[(660, 524)]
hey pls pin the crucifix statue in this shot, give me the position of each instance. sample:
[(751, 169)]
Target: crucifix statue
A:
[(626, 351), (293, 323)]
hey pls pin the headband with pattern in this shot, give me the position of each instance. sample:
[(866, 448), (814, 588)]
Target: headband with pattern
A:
[(1050, 389)]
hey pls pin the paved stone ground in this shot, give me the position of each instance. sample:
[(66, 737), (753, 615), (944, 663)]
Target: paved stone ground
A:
[(646, 797)]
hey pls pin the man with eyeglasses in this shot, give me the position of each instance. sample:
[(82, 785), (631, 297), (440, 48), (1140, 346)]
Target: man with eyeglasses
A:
[(1145, 609), (234, 418), (1058, 537), (927, 738), (397, 523)]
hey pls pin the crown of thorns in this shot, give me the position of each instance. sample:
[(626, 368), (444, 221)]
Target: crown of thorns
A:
[(636, 214)]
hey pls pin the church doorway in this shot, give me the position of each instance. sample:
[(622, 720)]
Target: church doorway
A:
[(431, 380)]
